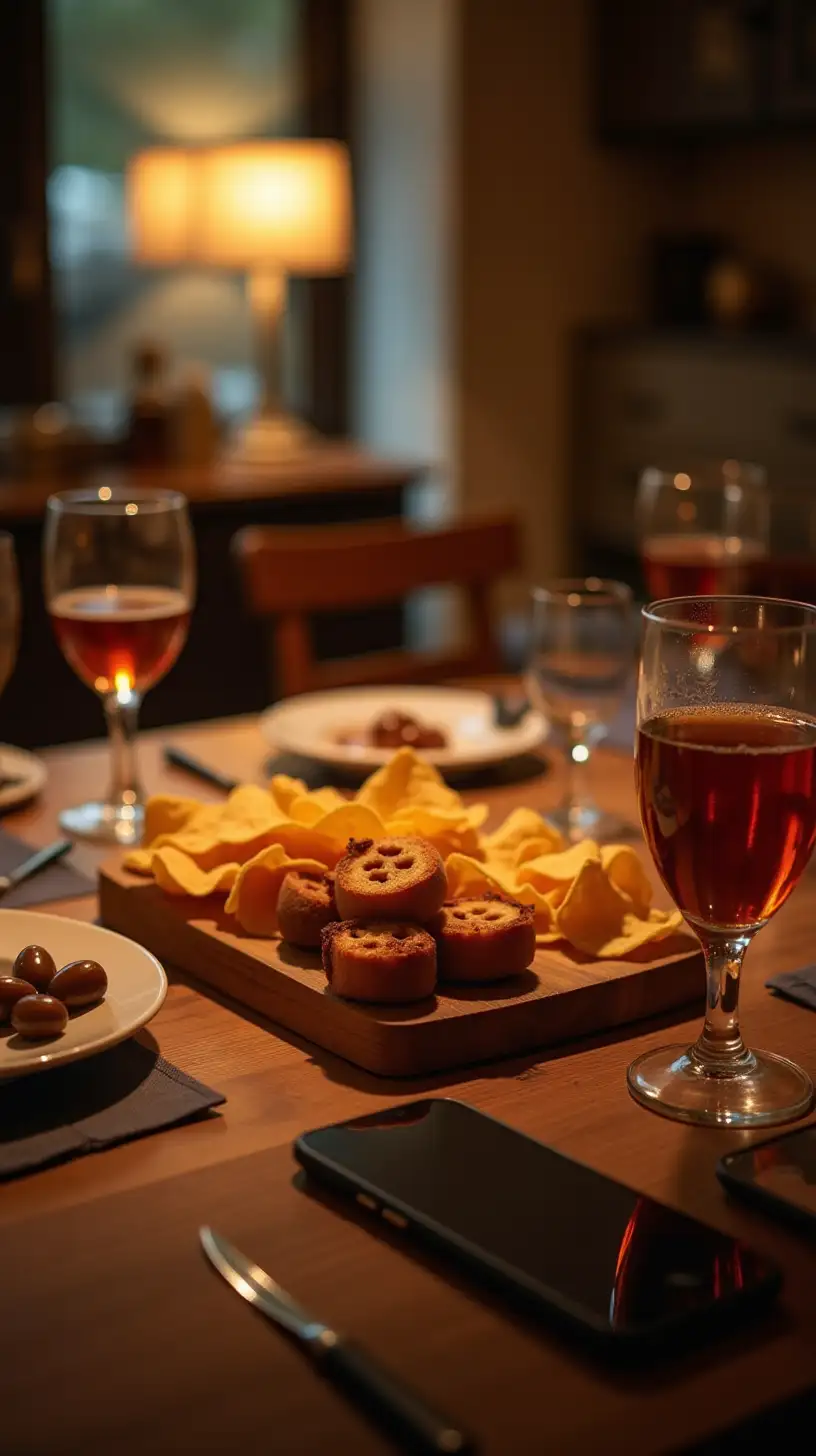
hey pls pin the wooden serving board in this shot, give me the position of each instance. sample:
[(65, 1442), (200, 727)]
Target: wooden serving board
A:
[(560, 997)]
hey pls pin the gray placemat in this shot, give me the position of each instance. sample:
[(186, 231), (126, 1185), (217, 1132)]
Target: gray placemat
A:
[(56, 882), (798, 986), (123, 1093)]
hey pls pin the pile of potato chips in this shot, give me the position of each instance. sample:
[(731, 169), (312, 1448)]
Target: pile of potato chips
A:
[(597, 900)]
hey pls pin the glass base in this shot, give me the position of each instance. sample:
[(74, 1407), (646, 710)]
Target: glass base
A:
[(761, 1090), (587, 821), (108, 823)]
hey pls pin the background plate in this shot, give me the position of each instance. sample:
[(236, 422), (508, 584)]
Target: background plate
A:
[(308, 726)]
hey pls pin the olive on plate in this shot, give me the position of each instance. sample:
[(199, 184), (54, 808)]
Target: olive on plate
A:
[(35, 964), (37, 1017), (80, 983), (12, 989)]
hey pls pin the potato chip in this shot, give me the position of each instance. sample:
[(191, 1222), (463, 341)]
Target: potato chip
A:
[(637, 932), (166, 814), (349, 821), (311, 808), (627, 874), (591, 913), (176, 873), (521, 826), (407, 782), (284, 789), (253, 899), (550, 870)]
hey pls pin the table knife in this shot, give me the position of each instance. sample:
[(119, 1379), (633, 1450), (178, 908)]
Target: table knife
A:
[(379, 1393), (34, 864), (177, 758)]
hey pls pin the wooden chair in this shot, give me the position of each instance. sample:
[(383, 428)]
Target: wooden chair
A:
[(289, 574)]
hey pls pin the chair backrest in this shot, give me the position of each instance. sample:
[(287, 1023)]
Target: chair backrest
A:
[(290, 573)]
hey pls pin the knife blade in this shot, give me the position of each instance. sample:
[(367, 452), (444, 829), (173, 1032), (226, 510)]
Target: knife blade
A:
[(380, 1394)]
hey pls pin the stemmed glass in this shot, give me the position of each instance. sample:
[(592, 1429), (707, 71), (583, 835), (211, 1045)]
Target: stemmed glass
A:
[(582, 660), (119, 572), (726, 780), (702, 529)]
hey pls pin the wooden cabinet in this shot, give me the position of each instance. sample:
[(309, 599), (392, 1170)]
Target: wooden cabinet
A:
[(685, 68), (666, 399)]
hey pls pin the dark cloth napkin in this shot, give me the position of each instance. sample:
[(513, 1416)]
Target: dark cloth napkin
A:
[(798, 986), (123, 1093), (56, 882)]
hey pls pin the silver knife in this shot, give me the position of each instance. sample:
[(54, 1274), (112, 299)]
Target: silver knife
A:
[(34, 864), (374, 1389)]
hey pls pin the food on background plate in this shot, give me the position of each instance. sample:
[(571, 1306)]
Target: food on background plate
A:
[(39, 1008), (39, 1016), (391, 878), (485, 938), (594, 900), (394, 729), (305, 907), (375, 960)]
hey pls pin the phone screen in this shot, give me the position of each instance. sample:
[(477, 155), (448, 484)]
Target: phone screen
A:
[(615, 1258), (785, 1168)]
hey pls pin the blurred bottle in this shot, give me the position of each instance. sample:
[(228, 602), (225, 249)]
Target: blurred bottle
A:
[(150, 417), (195, 429)]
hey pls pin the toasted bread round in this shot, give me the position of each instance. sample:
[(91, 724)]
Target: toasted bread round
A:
[(377, 960), (484, 938), (393, 878), (305, 905)]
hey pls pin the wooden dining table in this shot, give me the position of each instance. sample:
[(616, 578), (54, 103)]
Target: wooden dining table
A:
[(187, 1368)]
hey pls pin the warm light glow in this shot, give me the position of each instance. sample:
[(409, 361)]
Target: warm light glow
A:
[(104, 492), (160, 191), (580, 753), (123, 686), (682, 481), (278, 205), (131, 509), (282, 203)]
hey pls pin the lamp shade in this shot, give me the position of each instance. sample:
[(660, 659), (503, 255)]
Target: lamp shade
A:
[(160, 193), (281, 204)]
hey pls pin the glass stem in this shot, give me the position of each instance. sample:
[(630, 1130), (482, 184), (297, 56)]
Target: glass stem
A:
[(123, 721), (720, 1048), (577, 791)]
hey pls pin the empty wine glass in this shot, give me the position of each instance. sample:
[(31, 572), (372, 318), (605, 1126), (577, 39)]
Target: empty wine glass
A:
[(119, 584), (582, 661)]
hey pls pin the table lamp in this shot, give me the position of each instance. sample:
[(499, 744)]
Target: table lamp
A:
[(270, 208)]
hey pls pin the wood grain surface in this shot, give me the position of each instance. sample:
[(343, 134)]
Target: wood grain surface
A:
[(561, 996), (211, 1378)]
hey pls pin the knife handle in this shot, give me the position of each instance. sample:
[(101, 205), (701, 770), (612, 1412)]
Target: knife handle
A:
[(177, 758), (389, 1401)]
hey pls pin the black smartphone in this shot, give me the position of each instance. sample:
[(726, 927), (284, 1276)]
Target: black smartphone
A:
[(778, 1176), (620, 1268)]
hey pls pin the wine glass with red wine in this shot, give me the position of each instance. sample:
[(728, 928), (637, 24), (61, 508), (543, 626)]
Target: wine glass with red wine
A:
[(119, 572), (726, 780), (703, 530)]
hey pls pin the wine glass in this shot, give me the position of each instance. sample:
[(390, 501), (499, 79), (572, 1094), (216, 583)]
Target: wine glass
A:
[(582, 660), (701, 529), (726, 780), (119, 584)]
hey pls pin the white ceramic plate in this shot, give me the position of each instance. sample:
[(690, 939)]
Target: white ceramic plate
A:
[(25, 773), (137, 986), (309, 725)]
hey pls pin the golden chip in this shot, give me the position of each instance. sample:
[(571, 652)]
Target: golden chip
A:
[(591, 913), (627, 874), (176, 873), (253, 899), (407, 782), (521, 826), (551, 870)]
